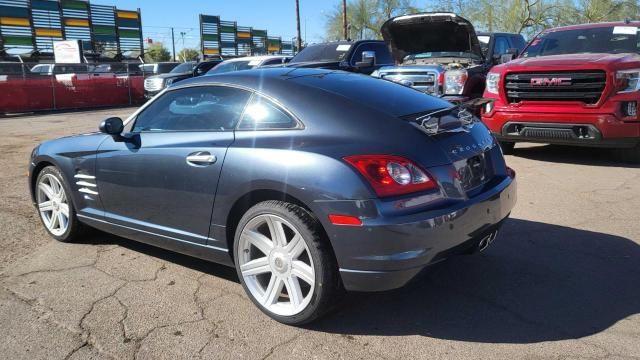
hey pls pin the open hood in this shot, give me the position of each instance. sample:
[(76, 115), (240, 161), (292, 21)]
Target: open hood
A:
[(429, 32)]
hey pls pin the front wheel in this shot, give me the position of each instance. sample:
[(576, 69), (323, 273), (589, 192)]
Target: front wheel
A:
[(285, 265), (55, 206)]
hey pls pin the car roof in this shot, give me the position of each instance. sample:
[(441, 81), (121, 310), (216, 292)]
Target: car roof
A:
[(594, 26), (288, 84)]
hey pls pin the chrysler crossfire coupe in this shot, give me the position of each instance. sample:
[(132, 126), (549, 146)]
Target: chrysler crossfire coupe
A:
[(309, 182)]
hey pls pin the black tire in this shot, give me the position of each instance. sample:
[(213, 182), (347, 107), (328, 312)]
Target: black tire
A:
[(74, 227), (629, 155), (328, 290), (507, 147)]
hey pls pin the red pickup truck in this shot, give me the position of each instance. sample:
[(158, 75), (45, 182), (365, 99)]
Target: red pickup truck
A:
[(574, 85)]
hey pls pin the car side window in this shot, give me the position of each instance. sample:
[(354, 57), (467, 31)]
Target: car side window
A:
[(501, 46), (272, 62), (201, 108), (262, 114), (383, 56)]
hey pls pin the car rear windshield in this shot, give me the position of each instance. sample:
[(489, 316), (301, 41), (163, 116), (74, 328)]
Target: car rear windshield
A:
[(611, 40), (322, 53)]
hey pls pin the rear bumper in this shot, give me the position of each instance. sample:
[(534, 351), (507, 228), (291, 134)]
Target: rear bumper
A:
[(387, 252), (597, 130)]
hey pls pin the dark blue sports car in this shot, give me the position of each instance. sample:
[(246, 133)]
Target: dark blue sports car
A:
[(308, 181)]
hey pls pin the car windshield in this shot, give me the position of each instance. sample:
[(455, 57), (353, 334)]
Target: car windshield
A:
[(233, 66), (183, 68), (610, 40), (322, 53)]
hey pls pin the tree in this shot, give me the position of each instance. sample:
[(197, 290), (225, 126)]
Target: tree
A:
[(188, 54), (157, 52), (365, 17), (527, 17)]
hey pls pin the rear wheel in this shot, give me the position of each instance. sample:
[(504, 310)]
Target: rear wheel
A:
[(507, 147), (55, 206), (284, 264)]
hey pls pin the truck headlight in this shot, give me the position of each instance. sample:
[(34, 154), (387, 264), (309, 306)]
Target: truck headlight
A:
[(376, 73), (454, 81), (628, 80), (493, 83)]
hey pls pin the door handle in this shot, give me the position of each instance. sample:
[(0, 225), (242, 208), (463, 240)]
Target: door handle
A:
[(201, 158)]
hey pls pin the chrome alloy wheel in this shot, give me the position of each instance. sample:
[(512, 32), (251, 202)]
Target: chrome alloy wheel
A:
[(53, 204), (276, 265)]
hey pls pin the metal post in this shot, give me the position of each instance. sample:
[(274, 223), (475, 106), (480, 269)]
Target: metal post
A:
[(299, 37), (173, 43), (344, 19)]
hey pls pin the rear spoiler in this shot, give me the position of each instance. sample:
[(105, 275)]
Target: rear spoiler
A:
[(453, 119)]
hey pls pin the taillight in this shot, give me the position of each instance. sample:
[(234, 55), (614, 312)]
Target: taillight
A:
[(391, 175)]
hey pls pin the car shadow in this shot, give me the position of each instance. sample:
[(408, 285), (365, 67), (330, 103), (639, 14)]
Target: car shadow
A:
[(571, 155), (537, 282), (101, 238)]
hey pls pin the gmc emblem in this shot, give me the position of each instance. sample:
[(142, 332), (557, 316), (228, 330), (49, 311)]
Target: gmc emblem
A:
[(550, 81)]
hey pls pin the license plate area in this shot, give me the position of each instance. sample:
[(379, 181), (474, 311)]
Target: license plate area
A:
[(473, 172)]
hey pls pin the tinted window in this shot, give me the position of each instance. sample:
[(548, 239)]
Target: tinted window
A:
[(233, 66), (501, 46), (69, 69), (262, 114), (383, 56), (322, 52), (612, 40), (183, 68), (212, 108), (166, 67), (273, 62)]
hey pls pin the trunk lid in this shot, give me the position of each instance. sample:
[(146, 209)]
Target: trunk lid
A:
[(430, 32)]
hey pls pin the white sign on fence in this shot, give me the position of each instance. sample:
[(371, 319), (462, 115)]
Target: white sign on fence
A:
[(67, 51)]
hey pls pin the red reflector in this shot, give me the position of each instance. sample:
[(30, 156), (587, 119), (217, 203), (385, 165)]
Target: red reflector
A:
[(511, 172), (345, 220)]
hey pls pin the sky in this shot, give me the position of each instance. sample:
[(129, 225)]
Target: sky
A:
[(277, 16)]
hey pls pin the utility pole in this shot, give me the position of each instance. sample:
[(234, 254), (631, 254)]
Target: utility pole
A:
[(299, 37), (173, 44), (344, 19)]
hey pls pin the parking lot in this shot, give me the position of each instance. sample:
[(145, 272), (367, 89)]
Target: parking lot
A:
[(561, 281)]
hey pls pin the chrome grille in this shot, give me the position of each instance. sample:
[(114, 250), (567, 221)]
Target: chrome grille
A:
[(153, 84), (420, 80), (584, 86)]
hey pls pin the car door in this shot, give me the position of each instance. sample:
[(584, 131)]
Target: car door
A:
[(162, 180)]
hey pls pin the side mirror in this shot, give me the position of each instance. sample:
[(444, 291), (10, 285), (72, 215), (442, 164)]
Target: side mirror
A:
[(111, 126), (506, 58), (513, 51), (509, 55), (368, 59)]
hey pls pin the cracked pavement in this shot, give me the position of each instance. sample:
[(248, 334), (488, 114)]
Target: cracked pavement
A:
[(562, 280)]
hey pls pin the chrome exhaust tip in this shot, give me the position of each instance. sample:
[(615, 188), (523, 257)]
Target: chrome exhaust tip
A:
[(486, 241)]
